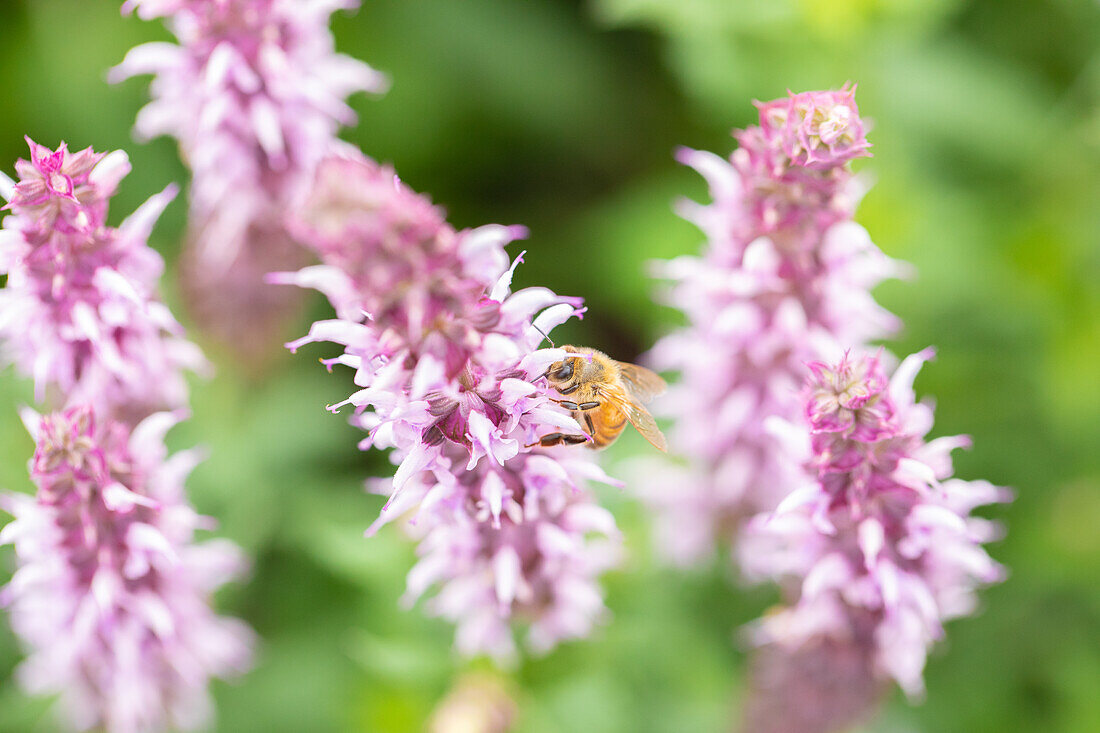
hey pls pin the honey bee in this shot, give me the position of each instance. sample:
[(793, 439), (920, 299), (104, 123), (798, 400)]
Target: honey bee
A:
[(604, 395)]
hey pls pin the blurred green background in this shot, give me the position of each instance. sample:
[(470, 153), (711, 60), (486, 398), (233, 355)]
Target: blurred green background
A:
[(563, 115)]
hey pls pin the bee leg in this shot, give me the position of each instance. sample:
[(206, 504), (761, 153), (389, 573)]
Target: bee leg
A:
[(553, 439), (571, 405)]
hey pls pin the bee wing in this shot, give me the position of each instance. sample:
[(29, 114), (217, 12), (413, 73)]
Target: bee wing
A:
[(642, 384), (644, 423)]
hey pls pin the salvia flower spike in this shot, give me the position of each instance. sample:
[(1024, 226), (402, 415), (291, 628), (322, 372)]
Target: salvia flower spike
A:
[(785, 278), (80, 312), (878, 545), (254, 92), (111, 595), (447, 362)]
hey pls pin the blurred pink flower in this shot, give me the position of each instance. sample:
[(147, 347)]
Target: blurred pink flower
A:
[(478, 703), (878, 544), (785, 277), (111, 595), (446, 360), (254, 92), (822, 686), (79, 312)]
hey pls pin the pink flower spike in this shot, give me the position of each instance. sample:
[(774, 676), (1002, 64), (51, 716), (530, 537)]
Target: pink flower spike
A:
[(80, 310), (902, 558), (254, 92), (448, 368), (109, 579), (784, 281)]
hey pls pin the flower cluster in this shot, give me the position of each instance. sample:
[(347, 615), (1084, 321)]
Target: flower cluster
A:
[(446, 358), (878, 547), (254, 92), (785, 278), (111, 595), (815, 130), (79, 312)]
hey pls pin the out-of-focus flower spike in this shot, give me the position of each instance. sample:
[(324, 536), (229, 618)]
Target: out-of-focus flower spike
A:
[(254, 92), (478, 703), (823, 687), (783, 280), (110, 597)]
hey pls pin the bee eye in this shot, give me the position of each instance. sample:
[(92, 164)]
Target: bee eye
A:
[(565, 372)]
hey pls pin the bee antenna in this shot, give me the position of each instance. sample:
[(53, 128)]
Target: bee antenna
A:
[(544, 335)]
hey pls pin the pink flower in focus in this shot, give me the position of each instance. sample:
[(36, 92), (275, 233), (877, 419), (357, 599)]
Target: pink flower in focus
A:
[(79, 312), (446, 359), (879, 543), (846, 398), (111, 595), (520, 541), (57, 184), (785, 279), (816, 130), (254, 92)]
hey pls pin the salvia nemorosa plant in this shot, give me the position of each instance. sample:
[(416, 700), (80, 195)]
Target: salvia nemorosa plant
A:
[(254, 92), (111, 593), (446, 359), (800, 452), (829, 490), (784, 278)]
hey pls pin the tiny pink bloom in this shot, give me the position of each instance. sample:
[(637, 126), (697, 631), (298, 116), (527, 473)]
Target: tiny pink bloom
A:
[(817, 130), (55, 184), (845, 398)]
